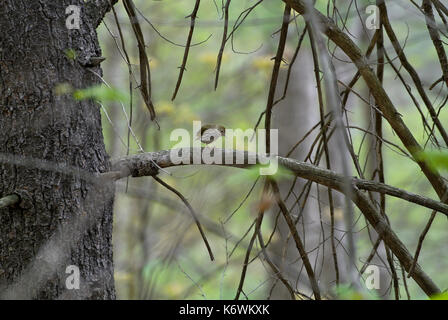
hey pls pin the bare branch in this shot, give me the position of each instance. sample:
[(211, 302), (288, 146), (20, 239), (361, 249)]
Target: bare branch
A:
[(435, 37), (193, 213), (299, 244), (223, 41), (142, 164), (382, 99), (187, 48), (145, 72)]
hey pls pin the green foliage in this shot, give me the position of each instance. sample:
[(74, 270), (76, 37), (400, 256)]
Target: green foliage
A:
[(345, 292), (437, 160), (62, 88), (71, 54), (101, 93), (440, 296)]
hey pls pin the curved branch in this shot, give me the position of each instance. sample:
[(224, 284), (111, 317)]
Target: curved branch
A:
[(192, 212), (187, 48)]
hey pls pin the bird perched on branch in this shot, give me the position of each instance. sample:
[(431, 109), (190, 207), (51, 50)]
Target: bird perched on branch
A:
[(210, 133)]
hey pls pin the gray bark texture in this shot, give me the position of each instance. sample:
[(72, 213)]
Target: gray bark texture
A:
[(46, 140)]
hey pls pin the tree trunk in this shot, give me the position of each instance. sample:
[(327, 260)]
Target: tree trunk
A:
[(51, 146), (294, 117)]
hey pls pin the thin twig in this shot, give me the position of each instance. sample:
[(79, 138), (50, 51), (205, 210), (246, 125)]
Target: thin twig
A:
[(223, 41), (422, 237), (273, 267), (275, 73), (187, 48), (297, 240), (193, 213), (145, 72), (435, 37), (258, 222)]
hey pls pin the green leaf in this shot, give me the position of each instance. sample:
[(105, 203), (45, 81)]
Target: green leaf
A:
[(436, 160), (101, 93), (440, 296), (345, 292), (71, 54)]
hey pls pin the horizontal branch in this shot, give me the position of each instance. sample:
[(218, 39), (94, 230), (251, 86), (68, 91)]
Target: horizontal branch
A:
[(143, 165), (345, 43), (146, 164)]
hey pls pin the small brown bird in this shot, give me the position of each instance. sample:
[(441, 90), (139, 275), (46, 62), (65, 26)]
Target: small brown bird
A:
[(210, 133)]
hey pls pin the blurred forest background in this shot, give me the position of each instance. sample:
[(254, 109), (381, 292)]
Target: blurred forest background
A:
[(158, 251)]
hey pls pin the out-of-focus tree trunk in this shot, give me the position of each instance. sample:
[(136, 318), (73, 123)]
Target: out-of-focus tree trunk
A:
[(374, 157), (294, 117)]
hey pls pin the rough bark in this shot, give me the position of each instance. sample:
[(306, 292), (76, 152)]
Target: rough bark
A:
[(62, 219)]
